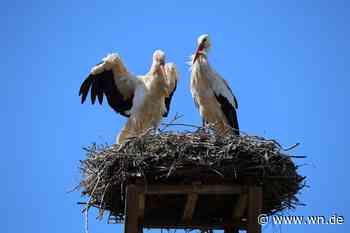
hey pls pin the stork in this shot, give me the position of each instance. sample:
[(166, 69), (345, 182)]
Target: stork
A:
[(212, 95), (143, 99)]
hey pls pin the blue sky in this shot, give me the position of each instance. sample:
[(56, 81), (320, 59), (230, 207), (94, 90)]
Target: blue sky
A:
[(287, 62)]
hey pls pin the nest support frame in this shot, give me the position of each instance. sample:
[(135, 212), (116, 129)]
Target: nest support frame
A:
[(241, 214)]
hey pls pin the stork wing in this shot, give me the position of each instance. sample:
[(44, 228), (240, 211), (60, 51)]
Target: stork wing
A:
[(171, 80), (229, 111), (111, 79), (228, 102)]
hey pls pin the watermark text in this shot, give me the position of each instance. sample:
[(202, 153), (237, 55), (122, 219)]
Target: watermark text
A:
[(334, 219)]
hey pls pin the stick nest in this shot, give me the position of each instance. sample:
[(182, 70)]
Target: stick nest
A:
[(186, 158)]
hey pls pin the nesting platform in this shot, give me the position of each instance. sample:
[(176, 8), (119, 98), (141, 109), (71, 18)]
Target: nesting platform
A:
[(191, 180), (228, 207)]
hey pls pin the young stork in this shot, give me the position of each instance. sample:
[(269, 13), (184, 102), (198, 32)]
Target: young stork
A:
[(144, 99), (212, 95)]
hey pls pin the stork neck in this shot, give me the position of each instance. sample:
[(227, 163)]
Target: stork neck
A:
[(202, 62), (203, 58), (155, 69)]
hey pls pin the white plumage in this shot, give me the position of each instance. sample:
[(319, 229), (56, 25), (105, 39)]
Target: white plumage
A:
[(211, 93), (143, 99)]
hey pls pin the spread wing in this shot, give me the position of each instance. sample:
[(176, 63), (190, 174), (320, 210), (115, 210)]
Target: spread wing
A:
[(228, 102), (171, 79), (111, 79)]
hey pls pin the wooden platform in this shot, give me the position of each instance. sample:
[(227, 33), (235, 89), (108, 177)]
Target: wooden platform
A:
[(228, 207)]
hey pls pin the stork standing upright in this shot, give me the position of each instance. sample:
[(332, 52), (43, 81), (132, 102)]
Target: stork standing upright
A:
[(212, 95), (145, 99)]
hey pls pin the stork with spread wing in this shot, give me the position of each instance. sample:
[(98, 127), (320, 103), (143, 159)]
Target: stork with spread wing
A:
[(144, 99), (211, 93)]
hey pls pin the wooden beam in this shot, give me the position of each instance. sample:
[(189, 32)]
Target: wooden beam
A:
[(131, 224), (240, 206), (190, 207), (187, 189), (142, 203), (254, 209)]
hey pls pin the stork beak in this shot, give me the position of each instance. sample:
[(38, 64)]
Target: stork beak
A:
[(198, 52), (162, 70)]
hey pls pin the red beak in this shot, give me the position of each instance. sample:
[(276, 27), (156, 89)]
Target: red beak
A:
[(198, 52), (162, 70)]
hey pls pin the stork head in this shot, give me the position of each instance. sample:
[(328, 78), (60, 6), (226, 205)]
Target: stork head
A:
[(159, 60), (203, 45), (159, 57)]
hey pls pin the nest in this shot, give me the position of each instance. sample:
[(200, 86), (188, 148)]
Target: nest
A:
[(185, 158)]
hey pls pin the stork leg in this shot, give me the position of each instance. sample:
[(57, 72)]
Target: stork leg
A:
[(156, 128), (204, 125)]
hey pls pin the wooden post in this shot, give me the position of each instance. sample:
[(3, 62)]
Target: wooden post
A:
[(131, 224), (231, 230), (254, 209), (240, 206), (190, 207), (142, 205)]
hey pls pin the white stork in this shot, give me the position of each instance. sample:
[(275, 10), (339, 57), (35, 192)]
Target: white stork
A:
[(214, 98), (144, 99)]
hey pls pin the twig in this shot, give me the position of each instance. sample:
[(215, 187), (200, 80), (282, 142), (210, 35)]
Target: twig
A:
[(178, 124), (166, 125), (292, 147)]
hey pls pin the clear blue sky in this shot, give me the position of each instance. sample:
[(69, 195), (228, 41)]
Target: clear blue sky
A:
[(287, 62)]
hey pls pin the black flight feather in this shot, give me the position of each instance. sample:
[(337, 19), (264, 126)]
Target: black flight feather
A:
[(103, 83), (229, 112), (84, 88), (168, 101), (94, 89)]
